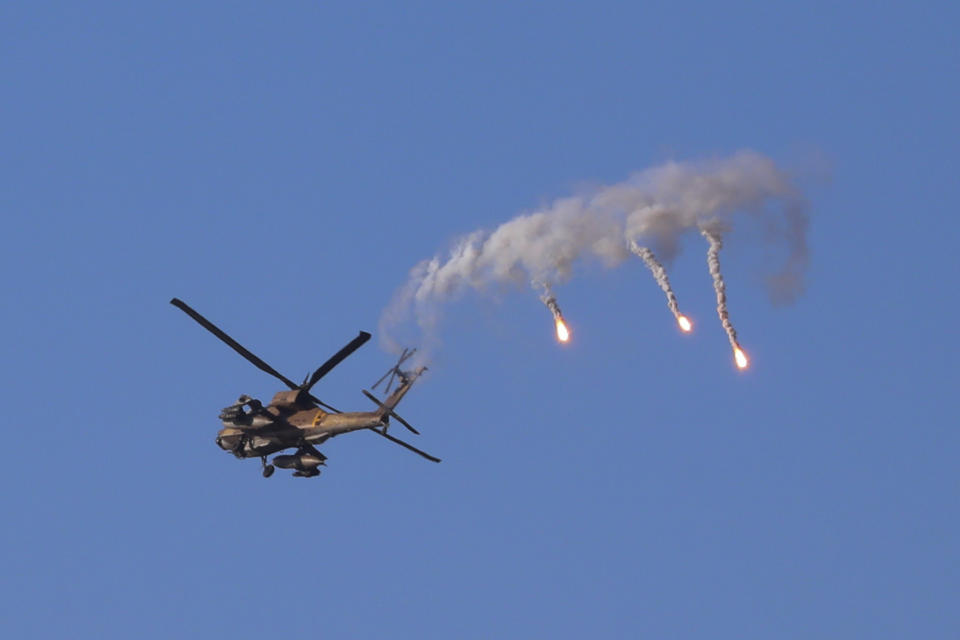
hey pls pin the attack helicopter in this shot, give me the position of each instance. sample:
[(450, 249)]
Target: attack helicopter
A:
[(296, 419)]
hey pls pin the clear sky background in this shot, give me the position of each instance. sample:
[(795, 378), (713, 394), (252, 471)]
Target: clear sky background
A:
[(281, 166)]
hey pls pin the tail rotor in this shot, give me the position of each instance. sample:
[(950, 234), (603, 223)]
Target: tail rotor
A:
[(395, 371), (406, 380)]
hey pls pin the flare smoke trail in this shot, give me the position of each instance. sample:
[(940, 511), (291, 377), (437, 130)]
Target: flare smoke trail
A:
[(547, 298), (550, 300), (659, 273), (713, 262), (654, 208)]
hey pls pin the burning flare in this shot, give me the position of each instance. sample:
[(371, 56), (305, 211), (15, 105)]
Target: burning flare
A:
[(563, 334), (740, 357), (685, 323)]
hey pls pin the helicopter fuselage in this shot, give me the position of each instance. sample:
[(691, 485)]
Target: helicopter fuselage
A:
[(250, 430)]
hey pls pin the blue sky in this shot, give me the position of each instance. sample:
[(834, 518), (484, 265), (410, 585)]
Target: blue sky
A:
[(281, 168)]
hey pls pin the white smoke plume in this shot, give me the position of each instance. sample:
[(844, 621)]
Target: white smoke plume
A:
[(653, 207), (659, 274), (713, 263)]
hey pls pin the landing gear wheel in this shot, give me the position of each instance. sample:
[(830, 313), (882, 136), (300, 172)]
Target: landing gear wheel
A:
[(268, 470)]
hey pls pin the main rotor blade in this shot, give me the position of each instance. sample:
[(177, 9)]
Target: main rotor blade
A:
[(337, 358), (399, 419), (233, 344), (393, 414), (405, 445)]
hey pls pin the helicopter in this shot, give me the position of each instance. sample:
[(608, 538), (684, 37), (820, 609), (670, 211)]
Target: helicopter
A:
[(296, 419)]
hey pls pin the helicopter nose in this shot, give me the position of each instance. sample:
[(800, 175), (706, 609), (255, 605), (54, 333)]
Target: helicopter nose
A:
[(227, 444)]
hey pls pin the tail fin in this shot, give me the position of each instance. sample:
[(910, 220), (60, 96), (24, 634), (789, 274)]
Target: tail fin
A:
[(407, 378), (386, 408)]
